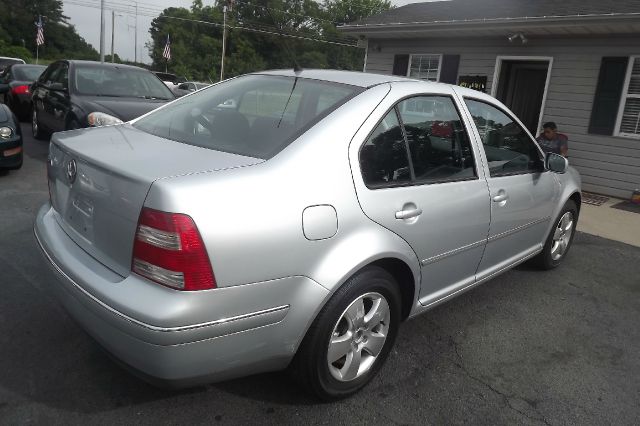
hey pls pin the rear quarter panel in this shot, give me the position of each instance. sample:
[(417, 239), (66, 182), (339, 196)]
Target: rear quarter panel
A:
[(251, 218)]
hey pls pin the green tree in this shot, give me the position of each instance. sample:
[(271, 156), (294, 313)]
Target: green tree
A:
[(257, 36), (17, 28)]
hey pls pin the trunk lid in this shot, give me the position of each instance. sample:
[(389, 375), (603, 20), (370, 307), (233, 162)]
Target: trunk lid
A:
[(99, 179)]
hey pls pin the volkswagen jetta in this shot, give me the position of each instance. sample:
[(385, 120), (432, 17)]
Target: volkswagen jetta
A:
[(294, 219)]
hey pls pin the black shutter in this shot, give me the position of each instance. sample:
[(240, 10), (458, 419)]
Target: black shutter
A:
[(449, 69), (604, 111), (401, 65)]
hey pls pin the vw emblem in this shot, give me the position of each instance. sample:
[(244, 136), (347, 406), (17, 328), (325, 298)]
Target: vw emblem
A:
[(72, 170)]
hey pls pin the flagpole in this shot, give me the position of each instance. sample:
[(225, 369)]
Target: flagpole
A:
[(37, 53)]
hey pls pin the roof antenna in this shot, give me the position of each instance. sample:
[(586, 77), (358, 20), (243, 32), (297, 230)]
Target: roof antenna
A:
[(296, 66)]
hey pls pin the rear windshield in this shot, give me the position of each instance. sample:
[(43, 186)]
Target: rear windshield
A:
[(27, 72), (119, 82), (253, 115)]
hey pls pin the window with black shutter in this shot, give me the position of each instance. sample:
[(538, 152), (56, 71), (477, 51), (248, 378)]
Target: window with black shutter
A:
[(606, 101), (629, 119), (400, 65)]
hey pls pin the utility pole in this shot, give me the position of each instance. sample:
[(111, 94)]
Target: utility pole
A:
[(102, 25), (224, 40), (135, 48), (113, 32)]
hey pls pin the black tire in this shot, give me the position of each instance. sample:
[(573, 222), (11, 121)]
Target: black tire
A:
[(36, 129), (548, 259), (18, 167), (310, 366)]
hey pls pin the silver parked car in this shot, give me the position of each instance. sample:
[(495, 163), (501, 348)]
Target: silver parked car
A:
[(294, 219)]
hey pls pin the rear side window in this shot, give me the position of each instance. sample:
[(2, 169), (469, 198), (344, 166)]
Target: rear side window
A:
[(508, 147), (383, 158), (421, 141), (253, 115), (439, 146)]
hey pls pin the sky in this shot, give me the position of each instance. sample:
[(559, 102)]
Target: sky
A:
[(85, 16)]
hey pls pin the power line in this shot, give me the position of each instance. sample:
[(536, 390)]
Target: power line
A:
[(255, 27)]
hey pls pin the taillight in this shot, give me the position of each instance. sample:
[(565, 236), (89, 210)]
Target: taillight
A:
[(20, 90), (169, 250)]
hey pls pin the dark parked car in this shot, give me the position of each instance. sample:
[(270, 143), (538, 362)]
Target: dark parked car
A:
[(15, 82), (5, 61), (188, 87), (75, 94), (167, 77), (10, 140)]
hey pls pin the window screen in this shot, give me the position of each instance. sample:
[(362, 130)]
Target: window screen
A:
[(425, 67)]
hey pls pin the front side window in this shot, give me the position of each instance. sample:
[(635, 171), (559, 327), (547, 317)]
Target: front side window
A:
[(630, 114), (252, 115), (51, 75), (508, 147), (425, 67), (62, 75), (439, 146)]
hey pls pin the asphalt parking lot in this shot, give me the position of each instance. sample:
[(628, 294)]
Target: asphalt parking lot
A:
[(528, 347)]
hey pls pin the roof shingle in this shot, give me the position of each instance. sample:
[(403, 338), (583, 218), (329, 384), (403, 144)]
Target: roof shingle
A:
[(478, 10)]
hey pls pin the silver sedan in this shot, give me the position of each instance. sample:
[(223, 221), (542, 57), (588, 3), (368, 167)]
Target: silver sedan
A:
[(293, 220)]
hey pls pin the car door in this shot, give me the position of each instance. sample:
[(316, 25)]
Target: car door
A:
[(58, 99), (522, 192), (420, 180), (41, 95)]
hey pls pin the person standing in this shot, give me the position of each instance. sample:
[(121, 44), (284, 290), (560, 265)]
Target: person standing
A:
[(552, 141)]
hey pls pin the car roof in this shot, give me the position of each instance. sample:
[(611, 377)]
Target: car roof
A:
[(102, 64), (28, 66), (13, 59), (353, 78)]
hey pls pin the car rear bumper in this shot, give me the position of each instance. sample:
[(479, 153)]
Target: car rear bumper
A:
[(11, 154), (171, 336)]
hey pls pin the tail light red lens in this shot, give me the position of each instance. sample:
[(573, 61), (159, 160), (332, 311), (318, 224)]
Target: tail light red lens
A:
[(169, 250), (20, 90)]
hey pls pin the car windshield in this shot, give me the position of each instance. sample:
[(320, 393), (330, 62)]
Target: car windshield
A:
[(253, 115), (119, 82), (27, 72)]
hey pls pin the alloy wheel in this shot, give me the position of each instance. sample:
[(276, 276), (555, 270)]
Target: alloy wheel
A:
[(358, 337), (562, 236)]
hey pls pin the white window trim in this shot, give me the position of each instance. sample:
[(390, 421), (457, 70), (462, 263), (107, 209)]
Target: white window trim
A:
[(623, 100), (439, 55), (496, 77)]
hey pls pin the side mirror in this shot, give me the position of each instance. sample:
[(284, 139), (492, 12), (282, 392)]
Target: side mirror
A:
[(58, 87), (4, 88), (556, 163)]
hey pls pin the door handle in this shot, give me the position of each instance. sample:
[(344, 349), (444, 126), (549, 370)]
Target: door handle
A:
[(408, 214), (500, 197)]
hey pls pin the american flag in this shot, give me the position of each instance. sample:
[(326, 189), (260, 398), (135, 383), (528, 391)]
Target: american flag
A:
[(167, 49), (40, 33)]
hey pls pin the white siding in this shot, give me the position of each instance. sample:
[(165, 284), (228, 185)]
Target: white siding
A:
[(608, 165)]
